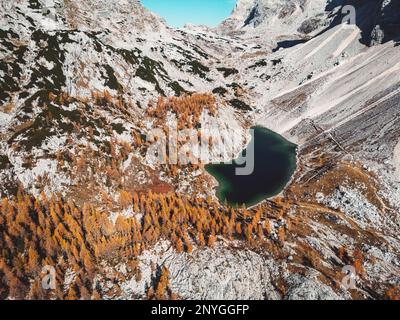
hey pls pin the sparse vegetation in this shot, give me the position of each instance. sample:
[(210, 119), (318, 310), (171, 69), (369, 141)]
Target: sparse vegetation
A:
[(187, 108), (238, 104), (227, 72)]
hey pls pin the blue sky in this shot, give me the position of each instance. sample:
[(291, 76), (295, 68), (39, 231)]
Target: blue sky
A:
[(179, 12)]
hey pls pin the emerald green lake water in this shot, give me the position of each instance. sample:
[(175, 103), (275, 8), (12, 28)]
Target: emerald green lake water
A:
[(274, 166)]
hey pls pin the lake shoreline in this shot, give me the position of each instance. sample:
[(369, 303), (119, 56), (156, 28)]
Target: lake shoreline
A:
[(278, 161)]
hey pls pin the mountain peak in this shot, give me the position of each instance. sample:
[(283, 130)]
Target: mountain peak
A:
[(378, 20), (274, 18), (94, 15)]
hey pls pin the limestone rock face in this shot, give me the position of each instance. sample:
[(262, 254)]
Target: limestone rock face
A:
[(378, 20)]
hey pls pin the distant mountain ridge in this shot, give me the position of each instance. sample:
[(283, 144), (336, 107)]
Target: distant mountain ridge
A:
[(379, 20)]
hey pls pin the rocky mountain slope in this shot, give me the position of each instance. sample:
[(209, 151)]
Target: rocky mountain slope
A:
[(282, 21), (66, 78), (78, 85), (276, 18)]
